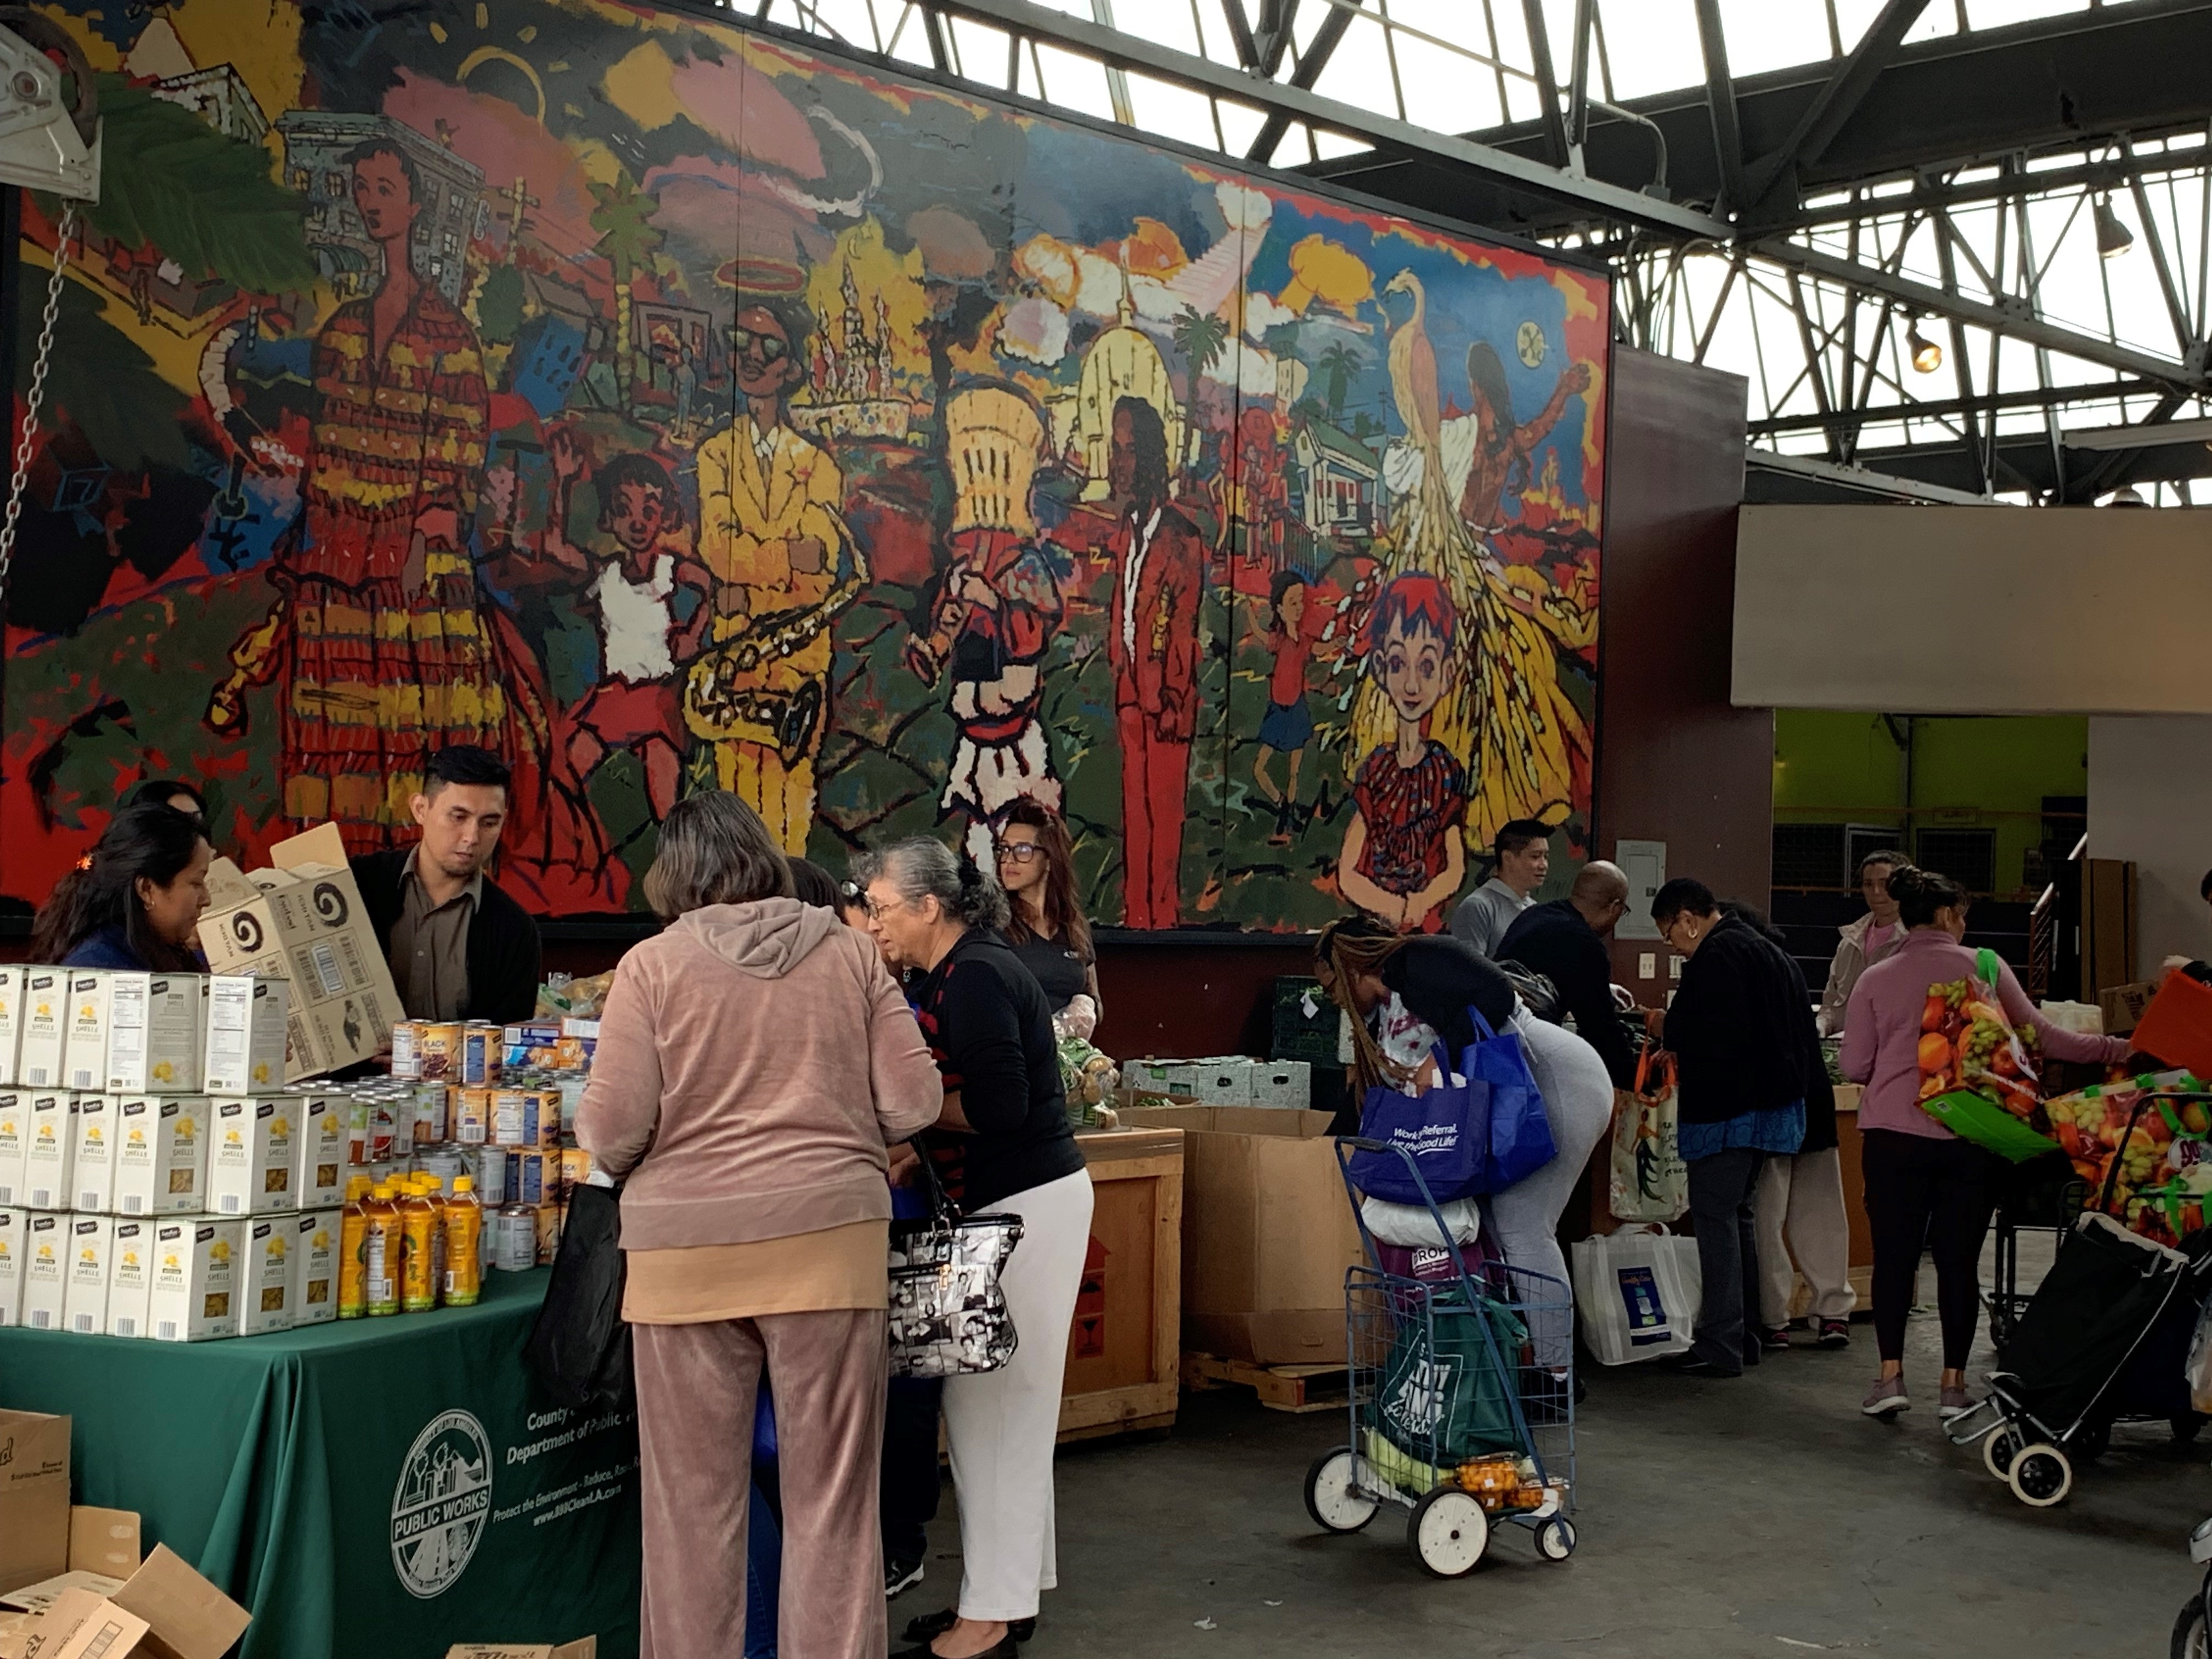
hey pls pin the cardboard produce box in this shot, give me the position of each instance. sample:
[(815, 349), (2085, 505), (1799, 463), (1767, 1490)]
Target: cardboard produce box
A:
[(2123, 1006), (1268, 1232), (588, 1648), (164, 1610), (35, 1498), (303, 921)]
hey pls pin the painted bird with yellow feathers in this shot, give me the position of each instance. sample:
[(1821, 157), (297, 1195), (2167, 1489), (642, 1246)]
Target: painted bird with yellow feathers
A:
[(1507, 719)]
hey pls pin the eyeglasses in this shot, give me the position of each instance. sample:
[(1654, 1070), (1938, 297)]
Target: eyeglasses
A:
[(877, 911), (1021, 852), (772, 347)]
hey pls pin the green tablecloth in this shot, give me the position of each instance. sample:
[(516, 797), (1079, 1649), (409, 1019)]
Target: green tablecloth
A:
[(380, 1488)]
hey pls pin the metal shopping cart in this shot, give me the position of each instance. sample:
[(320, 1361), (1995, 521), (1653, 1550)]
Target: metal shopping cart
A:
[(1452, 1415)]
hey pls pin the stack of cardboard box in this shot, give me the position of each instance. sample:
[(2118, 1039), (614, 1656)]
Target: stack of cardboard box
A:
[(1224, 1080)]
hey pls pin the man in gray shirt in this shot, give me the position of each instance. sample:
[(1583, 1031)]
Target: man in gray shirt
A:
[(1523, 851)]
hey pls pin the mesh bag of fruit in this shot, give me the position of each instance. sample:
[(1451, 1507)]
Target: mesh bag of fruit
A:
[(1976, 1077)]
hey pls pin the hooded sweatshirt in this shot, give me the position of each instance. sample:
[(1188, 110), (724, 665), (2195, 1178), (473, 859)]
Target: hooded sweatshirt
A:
[(753, 1062)]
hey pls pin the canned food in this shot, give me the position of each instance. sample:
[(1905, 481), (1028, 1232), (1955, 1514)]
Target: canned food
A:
[(356, 1116), (430, 1114), (471, 1116), (479, 1056), (407, 1049), (575, 1168), (445, 1162), (514, 1240), (494, 1169), (441, 1048), (526, 1165), (379, 1131), (525, 1117), (551, 1219)]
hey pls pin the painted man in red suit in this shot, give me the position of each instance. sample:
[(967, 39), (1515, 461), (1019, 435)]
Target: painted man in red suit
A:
[(1152, 641)]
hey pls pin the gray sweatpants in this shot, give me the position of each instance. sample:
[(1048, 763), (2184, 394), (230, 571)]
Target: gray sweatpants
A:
[(1523, 1220)]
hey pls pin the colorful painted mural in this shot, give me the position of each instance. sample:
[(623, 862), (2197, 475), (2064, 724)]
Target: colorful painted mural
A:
[(668, 407)]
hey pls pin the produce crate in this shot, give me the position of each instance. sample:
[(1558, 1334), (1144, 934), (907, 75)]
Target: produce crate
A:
[(1298, 1034), (1124, 1342)]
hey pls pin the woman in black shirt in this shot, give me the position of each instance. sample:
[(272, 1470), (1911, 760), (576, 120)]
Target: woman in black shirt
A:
[(986, 1019), (1045, 923)]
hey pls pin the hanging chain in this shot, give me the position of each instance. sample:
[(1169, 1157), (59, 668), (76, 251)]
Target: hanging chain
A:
[(36, 394)]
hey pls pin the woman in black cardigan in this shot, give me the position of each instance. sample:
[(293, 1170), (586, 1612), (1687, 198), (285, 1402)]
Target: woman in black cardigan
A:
[(1741, 1028)]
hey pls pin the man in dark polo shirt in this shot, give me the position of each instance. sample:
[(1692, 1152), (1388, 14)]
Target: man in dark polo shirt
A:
[(1564, 941), (458, 946)]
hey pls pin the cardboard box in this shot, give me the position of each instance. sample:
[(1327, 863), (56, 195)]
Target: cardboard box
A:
[(264, 1279), (1225, 1081), (50, 1157), (157, 1033), (34, 1494), (196, 1279), (587, 1649), (315, 1239), (84, 1067), (164, 1610), (45, 1029), (82, 1624), (1268, 1232), (85, 1308), (1283, 1084), (15, 1142), (13, 1226), (303, 921), (249, 1161), (162, 1154), (12, 975), (37, 1598), (92, 1179), (46, 1269), (2123, 1006), (130, 1276), (318, 1149), (246, 1038), (104, 1542)]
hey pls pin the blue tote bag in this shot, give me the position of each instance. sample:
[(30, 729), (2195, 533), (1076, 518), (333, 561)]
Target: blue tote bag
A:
[(1519, 1141), (1445, 1127)]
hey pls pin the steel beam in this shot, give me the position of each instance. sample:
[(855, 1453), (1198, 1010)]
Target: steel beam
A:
[(1720, 97), (1837, 101), (2014, 321), (1522, 174), (1312, 62), (1547, 82), (1979, 403)]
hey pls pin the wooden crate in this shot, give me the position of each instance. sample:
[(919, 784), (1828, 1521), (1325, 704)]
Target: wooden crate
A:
[(1280, 1388), (1124, 1348)]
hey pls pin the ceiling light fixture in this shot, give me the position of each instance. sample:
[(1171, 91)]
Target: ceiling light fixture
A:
[(2113, 237), (1927, 355)]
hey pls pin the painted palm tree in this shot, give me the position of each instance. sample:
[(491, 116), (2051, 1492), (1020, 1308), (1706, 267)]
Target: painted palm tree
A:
[(624, 219), (1339, 364), (1200, 335)]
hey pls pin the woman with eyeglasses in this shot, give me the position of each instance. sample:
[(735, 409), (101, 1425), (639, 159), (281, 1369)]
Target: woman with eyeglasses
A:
[(1741, 1028), (1046, 926), (1005, 1134)]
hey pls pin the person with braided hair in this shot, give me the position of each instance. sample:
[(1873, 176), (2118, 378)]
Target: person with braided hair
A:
[(1003, 1144)]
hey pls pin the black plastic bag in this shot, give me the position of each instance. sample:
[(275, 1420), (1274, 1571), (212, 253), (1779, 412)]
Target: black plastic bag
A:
[(580, 1346)]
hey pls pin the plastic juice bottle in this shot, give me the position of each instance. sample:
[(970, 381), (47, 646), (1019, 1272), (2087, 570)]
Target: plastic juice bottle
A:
[(434, 1190), (418, 1270), (353, 1251), (381, 1247), (463, 1247)]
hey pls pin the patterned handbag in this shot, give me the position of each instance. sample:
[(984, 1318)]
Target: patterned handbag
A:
[(948, 1313)]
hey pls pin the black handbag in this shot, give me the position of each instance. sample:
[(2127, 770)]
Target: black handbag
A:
[(579, 1349)]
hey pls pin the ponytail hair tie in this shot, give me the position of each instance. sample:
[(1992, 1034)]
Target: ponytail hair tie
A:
[(85, 863)]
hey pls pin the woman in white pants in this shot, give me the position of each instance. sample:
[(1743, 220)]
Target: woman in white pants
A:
[(1004, 1144)]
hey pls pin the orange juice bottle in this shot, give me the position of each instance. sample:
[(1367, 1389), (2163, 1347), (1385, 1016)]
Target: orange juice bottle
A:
[(381, 1249), (353, 1251), (464, 1242), (418, 1231)]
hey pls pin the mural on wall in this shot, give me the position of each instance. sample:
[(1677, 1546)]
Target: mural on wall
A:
[(666, 407)]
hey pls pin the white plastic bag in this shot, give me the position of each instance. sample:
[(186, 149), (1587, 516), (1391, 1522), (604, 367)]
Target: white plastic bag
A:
[(1411, 1227), (1637, 1291), (2199, 1368)]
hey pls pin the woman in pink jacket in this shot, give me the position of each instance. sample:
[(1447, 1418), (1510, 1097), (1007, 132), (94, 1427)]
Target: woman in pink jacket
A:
[(1924, 1184), (753, 1063)]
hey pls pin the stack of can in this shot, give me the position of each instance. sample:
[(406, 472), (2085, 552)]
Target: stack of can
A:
[(492, 1103)]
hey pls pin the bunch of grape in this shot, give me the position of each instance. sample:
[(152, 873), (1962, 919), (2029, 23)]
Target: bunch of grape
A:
[(1978, 1043)]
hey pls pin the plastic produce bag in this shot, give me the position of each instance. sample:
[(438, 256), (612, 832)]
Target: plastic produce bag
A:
[(2198, 1370), (580, 1347), (1637, 1293), (1650, 1182), (1410, 1226), (1453, 1401)]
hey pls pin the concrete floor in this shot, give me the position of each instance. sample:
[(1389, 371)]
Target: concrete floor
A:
[(1761, 1516)]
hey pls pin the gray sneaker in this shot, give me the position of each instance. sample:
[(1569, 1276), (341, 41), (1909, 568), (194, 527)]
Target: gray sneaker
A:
[(1887, 1399), (1954, 1402)]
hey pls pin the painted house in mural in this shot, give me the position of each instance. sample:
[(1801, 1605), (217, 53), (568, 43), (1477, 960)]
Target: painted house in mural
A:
[(1336, 481)]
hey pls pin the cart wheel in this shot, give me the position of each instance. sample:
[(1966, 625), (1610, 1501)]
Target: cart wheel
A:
[(1448, 1532), (1335, 1503), (2040, 1475), (1998, 1451), (1555, 1539), (2190, 1640), (2095, 1440)]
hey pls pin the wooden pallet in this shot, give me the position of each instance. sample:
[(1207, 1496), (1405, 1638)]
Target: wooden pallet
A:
[(1280, 1388)]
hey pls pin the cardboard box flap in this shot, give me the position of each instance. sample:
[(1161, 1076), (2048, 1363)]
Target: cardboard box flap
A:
[(35, 1490), (228, 886), (322, 846), (83, 1625), (104, 1542), (187, 1617), (37, 1598), (588, 1648)]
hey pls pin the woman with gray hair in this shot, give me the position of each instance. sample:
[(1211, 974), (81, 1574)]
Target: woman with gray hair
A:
[(754, 1061), (1004, 1146)]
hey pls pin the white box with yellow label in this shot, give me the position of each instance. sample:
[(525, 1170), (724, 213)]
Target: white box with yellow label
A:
[(319, 1147), (45, 1028), (85, 1310), (245, 1039), (156, 1033), (85, 1067), (162, 1154), (196, 1278), (92, 1179), (15, 1143), (12, 975), (264, 1280), (46, 1269), (130, 1276), (12, 1225), (315, 1239), (50, 1160), (250, 1155)]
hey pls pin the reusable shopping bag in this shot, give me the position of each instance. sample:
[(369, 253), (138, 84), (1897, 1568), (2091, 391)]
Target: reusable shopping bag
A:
[(1650, 1181), (1638, 1292), (579, 1347), (948, 1311), (1450, 1400), (1445, 1128), (1976, 1079), (1520, 1133)]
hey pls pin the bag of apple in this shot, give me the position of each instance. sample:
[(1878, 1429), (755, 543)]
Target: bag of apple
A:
[(1967, 1043)]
